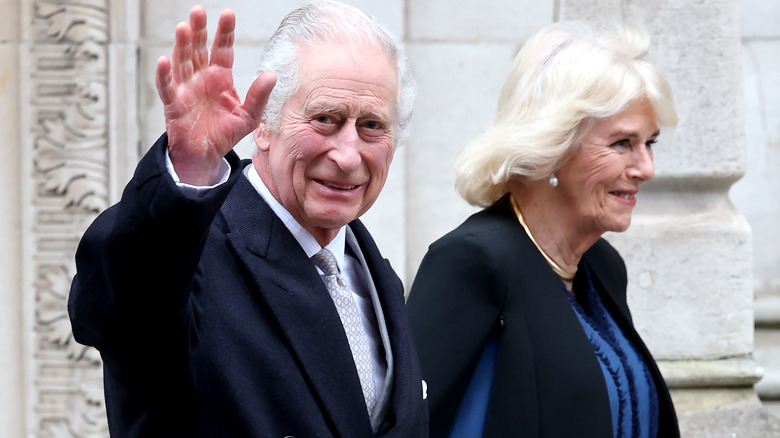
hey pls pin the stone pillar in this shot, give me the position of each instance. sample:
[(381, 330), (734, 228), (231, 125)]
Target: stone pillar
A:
[(11, 346), (64, 184), (756, 194), (75, 58), (688, 251)]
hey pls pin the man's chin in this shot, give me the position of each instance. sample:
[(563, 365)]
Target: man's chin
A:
[(330, 220)]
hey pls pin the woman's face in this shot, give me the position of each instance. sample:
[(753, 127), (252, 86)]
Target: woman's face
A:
[(601, 179)]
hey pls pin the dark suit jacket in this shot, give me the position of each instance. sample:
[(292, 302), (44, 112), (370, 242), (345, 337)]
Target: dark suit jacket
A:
[(212, 322), (487, 277)]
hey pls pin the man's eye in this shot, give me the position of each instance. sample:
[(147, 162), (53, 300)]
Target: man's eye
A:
[(324, 119), (372, 124)]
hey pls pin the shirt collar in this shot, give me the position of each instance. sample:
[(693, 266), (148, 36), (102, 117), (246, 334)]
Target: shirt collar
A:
[(305, 239)]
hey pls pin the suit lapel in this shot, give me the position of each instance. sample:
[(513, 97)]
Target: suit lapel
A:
[(383, 394), (407, 384), (288, 283)]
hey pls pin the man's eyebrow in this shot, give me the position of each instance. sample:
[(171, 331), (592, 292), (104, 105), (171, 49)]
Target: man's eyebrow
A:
[(328, 108), (323, 107), (376, 115)]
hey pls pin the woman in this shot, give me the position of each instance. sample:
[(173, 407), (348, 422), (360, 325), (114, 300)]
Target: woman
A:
[(520, 313)]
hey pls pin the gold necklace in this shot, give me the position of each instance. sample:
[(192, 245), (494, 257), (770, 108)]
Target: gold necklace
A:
[(555, 267)]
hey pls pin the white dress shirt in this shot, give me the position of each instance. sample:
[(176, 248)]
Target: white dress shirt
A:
[(348, 265)]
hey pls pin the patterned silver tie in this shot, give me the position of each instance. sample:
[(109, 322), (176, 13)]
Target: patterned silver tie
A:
[(352, 322)]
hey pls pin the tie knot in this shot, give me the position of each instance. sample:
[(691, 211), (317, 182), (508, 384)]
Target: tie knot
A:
[(326, 261)]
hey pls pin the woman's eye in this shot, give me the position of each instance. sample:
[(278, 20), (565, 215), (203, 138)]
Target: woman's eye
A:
[(625, 143), (650, 144)]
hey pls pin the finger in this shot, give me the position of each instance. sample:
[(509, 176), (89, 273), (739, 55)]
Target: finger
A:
[(222, 47), (182, 53), (166, 88), (200, 53), (257, 96)]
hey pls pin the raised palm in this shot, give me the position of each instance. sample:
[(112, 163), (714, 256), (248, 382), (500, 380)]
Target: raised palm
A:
[(204, 116)]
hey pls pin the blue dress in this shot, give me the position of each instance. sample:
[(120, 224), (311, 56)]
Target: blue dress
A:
[(632, 393)]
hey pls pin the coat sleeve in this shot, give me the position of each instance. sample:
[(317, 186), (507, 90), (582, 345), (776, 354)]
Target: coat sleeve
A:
[(455, 304), (136, 261)]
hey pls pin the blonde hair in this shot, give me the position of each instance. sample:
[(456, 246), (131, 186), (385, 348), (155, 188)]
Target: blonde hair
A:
[(566, 76)]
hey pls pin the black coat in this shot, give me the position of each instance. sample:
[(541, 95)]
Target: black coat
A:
[(211, 320), (487, 277)]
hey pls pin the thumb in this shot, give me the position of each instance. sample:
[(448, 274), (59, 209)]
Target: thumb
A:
[(257, 96)]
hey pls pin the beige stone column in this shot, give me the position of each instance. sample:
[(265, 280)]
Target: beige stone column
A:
[(11, 353), (688, 250), (75, 60), (756, 195), (63, 111)]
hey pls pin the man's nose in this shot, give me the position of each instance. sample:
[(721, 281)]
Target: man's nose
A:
[(346, 151)]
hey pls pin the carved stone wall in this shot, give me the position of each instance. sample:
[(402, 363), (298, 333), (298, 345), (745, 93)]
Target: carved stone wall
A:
[(65, 182), (12, 398)]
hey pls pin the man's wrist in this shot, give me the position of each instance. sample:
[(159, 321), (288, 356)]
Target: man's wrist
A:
[(223, 173)]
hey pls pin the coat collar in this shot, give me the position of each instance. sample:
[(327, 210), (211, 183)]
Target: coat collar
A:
[(610, 280), (609, 273), (288, 283)]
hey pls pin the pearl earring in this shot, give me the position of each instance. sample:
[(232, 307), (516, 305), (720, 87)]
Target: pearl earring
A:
[(553, 180)]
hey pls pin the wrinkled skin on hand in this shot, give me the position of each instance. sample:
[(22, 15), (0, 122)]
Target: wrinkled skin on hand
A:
[(204, 116)]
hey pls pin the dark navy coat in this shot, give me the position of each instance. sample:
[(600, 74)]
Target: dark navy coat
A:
[(211, 321), (486, 278)]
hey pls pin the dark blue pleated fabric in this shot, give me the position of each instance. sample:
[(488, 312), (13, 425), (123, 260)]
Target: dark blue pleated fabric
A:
[(632, 393)]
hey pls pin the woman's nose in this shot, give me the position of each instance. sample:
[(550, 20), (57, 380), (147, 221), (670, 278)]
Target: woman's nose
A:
[(642, 167)]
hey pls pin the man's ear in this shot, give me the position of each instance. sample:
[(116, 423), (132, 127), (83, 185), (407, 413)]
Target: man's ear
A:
[(262, 137)]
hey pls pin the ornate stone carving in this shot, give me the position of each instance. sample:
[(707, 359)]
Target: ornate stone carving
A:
[(69, 144)]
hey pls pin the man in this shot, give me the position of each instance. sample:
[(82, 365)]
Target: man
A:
[(206, 289)]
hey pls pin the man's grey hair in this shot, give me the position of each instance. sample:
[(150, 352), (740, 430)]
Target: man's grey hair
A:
[(330, 21)]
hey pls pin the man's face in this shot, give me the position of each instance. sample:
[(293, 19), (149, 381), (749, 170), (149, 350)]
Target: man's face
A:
[(329, 159)]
